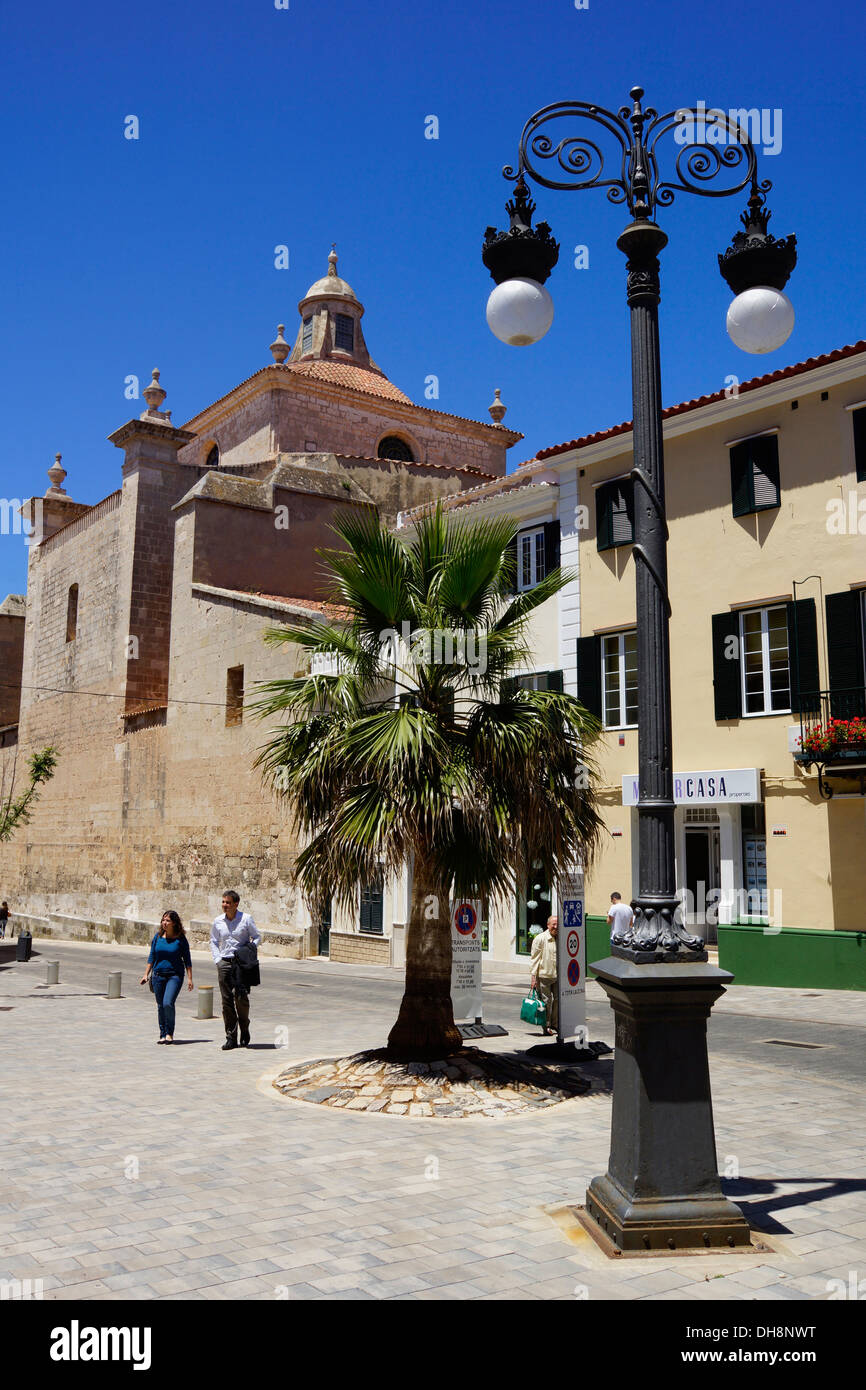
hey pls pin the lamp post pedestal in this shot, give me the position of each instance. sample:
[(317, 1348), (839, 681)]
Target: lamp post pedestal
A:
[(662, 1189)]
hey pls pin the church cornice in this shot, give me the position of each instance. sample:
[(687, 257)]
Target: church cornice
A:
[(281, 378)]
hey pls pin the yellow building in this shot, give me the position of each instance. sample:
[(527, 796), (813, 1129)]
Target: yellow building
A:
[(766, 505)]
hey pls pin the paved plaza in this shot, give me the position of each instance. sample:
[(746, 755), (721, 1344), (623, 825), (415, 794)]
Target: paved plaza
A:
[(137, 1171)]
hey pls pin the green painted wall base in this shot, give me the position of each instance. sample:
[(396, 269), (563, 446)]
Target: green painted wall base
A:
[(597, 940), (794, 958)]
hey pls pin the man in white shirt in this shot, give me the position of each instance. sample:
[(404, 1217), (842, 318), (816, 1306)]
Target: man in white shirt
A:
[(231, 930), (542, 971), (619, 918)]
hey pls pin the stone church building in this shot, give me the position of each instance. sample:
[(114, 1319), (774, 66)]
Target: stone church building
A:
[(141, 634)]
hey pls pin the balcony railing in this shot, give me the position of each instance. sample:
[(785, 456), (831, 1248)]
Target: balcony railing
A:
[(833, 734)]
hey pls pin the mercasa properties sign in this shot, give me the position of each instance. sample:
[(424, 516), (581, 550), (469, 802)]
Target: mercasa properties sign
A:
[(714, 787)]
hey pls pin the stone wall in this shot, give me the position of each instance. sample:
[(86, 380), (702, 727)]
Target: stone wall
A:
[(358, 948), (11, 658)]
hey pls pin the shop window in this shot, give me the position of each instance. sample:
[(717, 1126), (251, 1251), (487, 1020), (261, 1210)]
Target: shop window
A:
[(235, 695), (533, 910), (614, 513), (72, 613), (754, 832), (619, 679), (755, 474)]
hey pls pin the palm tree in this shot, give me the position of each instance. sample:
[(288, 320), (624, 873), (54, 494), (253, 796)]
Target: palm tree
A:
[(407, 754)]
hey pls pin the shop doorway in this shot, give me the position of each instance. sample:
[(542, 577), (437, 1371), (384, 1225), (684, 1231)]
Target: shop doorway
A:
[(325, 932), (533, 910), (702, 879)]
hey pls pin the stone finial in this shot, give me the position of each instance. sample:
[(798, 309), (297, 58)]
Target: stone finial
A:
[(496, 410), (155, 395), (332, 259), (57, 474), (279, 348)]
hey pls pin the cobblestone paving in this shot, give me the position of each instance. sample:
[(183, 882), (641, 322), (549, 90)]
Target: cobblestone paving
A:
[(137, 1171)]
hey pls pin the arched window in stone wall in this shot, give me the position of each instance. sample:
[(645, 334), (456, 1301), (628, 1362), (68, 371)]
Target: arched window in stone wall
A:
[(393, 447), (213, 457), (72, 613)]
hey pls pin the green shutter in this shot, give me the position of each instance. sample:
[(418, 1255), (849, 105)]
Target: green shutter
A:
[(554, 681), (551, 546), (589, 674), (803, 656), (859, 421), (614, 513), (509, 578), (845, 656), (727, 690), (741, 493), (755, 474)]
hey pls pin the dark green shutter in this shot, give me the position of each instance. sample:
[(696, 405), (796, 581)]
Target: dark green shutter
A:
[(614, 513), (859, 421), (589, 674), (845, 656), (803, 656), (602, 518), (727, 690), (755, 474), (554, 681), (551, 546), (510, 576), (371, 918)]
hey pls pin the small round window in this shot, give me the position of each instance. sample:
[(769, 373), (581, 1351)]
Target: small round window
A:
[(393, 448)]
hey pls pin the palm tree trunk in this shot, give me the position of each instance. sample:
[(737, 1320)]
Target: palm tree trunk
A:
[(425, 1027)]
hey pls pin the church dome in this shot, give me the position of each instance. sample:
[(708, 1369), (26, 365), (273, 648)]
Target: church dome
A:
[(331, 286)]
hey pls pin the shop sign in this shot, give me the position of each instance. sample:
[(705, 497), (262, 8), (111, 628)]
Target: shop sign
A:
[(713, 787)]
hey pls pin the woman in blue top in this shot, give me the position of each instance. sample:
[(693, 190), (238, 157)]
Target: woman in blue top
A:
[(169, 957)]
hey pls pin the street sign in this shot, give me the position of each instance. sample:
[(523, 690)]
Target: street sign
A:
[(466, 961), (571, 960)]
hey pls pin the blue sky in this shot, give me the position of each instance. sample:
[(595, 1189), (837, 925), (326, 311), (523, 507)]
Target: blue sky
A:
[(261, 127)]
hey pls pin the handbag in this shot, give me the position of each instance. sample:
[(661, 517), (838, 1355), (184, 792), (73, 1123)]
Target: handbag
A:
[(534, 1010)]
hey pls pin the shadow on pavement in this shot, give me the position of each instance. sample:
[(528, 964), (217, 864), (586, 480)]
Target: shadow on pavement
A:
[(759, 1213)]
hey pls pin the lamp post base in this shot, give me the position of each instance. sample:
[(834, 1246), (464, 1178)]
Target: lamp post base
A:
[(662, 1189)]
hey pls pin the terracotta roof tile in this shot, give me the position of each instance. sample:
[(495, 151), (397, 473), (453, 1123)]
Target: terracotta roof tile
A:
[(348, 374), (754, 384), (326, 610)]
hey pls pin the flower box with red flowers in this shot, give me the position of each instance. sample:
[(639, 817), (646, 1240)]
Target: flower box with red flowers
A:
[(838, 740)]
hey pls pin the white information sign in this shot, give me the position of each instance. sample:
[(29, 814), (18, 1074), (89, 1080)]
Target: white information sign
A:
[(571, 960), (466, 961), (715, 787)]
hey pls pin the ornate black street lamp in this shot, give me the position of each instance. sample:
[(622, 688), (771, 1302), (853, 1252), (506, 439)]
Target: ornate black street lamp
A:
[(662, 1189)]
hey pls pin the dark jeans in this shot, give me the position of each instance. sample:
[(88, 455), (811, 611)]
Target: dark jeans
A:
[(236, 1006), (166, 988)]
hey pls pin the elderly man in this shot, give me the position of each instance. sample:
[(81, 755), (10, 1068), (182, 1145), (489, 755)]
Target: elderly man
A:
[(231, 930), (542, 967)]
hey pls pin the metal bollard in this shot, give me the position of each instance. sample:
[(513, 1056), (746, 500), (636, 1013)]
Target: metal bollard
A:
[(205, 1001), (52, 972), (114, 984)]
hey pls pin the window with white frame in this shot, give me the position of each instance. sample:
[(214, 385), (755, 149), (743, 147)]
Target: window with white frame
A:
[(530, 558), (765, 664), (619, 679)]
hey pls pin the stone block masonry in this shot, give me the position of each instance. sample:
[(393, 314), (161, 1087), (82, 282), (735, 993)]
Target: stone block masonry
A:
[(358, 948)]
